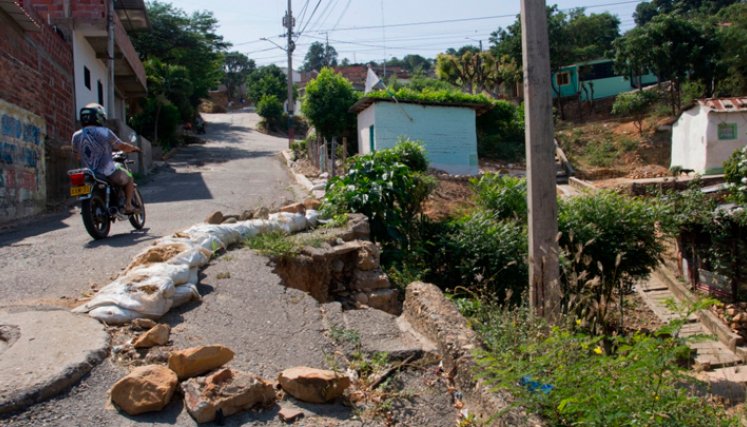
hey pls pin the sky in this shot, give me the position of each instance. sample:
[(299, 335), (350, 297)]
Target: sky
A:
[(366, 30)]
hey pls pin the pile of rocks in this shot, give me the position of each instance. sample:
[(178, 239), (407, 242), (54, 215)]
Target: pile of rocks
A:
[(734, 315), (212, 391), (345, 267)]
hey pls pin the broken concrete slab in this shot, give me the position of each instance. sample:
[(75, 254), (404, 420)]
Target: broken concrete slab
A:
[(29, 371)]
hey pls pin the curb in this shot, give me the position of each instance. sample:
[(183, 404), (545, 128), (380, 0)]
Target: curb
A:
[(436, 318), (301, 179)]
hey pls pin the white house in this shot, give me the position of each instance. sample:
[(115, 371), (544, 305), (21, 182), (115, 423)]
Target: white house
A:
[(448, 131), (706, 135)]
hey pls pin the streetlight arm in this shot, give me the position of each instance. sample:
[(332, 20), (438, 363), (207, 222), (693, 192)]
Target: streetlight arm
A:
[(280, 47)]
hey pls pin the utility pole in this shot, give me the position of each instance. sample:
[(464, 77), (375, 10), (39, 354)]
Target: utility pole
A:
[(289, 22), (544, 286), (110, 58)]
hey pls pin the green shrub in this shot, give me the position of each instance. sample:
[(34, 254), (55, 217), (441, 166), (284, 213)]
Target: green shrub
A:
[(169, 119), (271, 109), (635, 104), (500, 132), (483, 254), (571, 378), (411, 154), (735, 171), (381, 186), (609, 241), (504, 196)]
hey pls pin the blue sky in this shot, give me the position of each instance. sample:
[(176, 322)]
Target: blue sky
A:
[(245, 22)]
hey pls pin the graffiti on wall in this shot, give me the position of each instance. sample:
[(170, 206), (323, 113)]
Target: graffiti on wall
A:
[(22, 177)]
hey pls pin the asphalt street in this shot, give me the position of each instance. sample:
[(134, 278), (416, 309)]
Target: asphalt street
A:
[(52, 259)]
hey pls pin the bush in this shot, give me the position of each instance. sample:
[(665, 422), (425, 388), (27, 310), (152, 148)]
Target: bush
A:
[(327, 103), (483, 254), (635, 104), (169, 119), (571, 378), (735, 171), (500, 132), (382, 186), (504, 196), (608, 242), (268, 80), (271, 109)]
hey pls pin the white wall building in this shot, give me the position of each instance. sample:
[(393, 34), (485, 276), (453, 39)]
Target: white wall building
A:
[(706, 135)]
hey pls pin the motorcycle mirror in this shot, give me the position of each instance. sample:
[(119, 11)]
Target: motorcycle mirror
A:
[(133, 137)]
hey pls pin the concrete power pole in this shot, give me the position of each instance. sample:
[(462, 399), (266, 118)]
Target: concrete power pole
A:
[(289, 22), (544, 286), (110, 59)]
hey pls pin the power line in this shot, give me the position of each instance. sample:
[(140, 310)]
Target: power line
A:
[(302, 14), (448, 21), (310, 17), (344, 11)]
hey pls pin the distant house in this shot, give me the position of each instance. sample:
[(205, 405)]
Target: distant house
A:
[(447, 130), (594, 80), (356, 74), (706, 135)]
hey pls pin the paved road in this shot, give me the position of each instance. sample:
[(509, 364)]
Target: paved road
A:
[(237, 169)]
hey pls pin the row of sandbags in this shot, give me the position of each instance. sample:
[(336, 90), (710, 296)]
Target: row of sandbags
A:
[(165, 275)]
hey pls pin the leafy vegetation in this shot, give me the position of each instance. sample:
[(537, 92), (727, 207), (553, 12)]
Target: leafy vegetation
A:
[(428, 95), (573, 378), (266, 81), (318, 56), (327, 103), (271, 109), (634, 104), (273, 244), (236, 67), (382, 186)]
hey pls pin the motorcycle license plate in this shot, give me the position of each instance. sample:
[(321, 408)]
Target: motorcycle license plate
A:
[(80, 191)]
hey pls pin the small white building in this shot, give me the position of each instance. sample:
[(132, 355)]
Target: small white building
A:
[(706, 135), (448, 131)]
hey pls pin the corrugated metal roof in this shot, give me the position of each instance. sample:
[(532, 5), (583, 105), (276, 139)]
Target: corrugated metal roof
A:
[(725, 105)]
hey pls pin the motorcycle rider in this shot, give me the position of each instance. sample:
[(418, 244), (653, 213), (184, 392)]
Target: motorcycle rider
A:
[(93, 145)]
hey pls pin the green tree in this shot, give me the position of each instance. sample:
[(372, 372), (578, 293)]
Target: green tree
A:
[(190, 41), (267, 80), (634, 104), (236, 68), (327, 103), (271, 109), (591, 35), (476, 72), (732, 55), (169, 85), (319, 55)]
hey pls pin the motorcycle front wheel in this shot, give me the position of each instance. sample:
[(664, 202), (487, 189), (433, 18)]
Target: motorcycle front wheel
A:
[(96, 217), (138, 220)]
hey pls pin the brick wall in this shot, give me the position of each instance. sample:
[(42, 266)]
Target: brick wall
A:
[(36, 75)]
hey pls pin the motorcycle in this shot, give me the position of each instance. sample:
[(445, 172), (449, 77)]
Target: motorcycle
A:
[(101, 202)]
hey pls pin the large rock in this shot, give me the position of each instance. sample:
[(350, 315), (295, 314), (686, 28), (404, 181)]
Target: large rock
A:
[(215, 218), (198, 360), (226, 390), (369, 256), (369, 280), (145, 389), (157, 335), (313, 385), (294, 208)]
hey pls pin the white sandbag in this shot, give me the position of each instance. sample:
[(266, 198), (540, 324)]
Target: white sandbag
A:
[(250, 228), (288, 222), (312, 218), (113, 315), (194, 257), (194, 276), (185, 294), (151, 297), (225, 233), (180, 274)]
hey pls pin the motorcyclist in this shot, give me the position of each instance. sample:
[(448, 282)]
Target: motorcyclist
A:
[(93, 145)]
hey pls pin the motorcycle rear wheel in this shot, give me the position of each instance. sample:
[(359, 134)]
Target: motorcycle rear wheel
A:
[(96, 217), (138, 220)]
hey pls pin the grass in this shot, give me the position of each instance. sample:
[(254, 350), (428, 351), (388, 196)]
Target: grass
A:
[(273, 244)]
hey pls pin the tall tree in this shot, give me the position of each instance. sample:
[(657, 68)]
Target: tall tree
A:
[(327, 103), (168, 85), (190, 41), (319, 55), (267, 81), (591, 36), (476, 72), (236, 68)]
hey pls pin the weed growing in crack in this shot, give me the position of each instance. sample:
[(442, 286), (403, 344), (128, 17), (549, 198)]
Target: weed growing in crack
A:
[(273, 244)]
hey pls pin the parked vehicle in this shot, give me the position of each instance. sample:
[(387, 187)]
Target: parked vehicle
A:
[(102, 202)]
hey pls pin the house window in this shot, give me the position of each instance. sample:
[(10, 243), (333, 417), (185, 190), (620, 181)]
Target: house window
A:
[(563, 79), (100, 88), (371, 143), (727, 131), (87, 77)]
